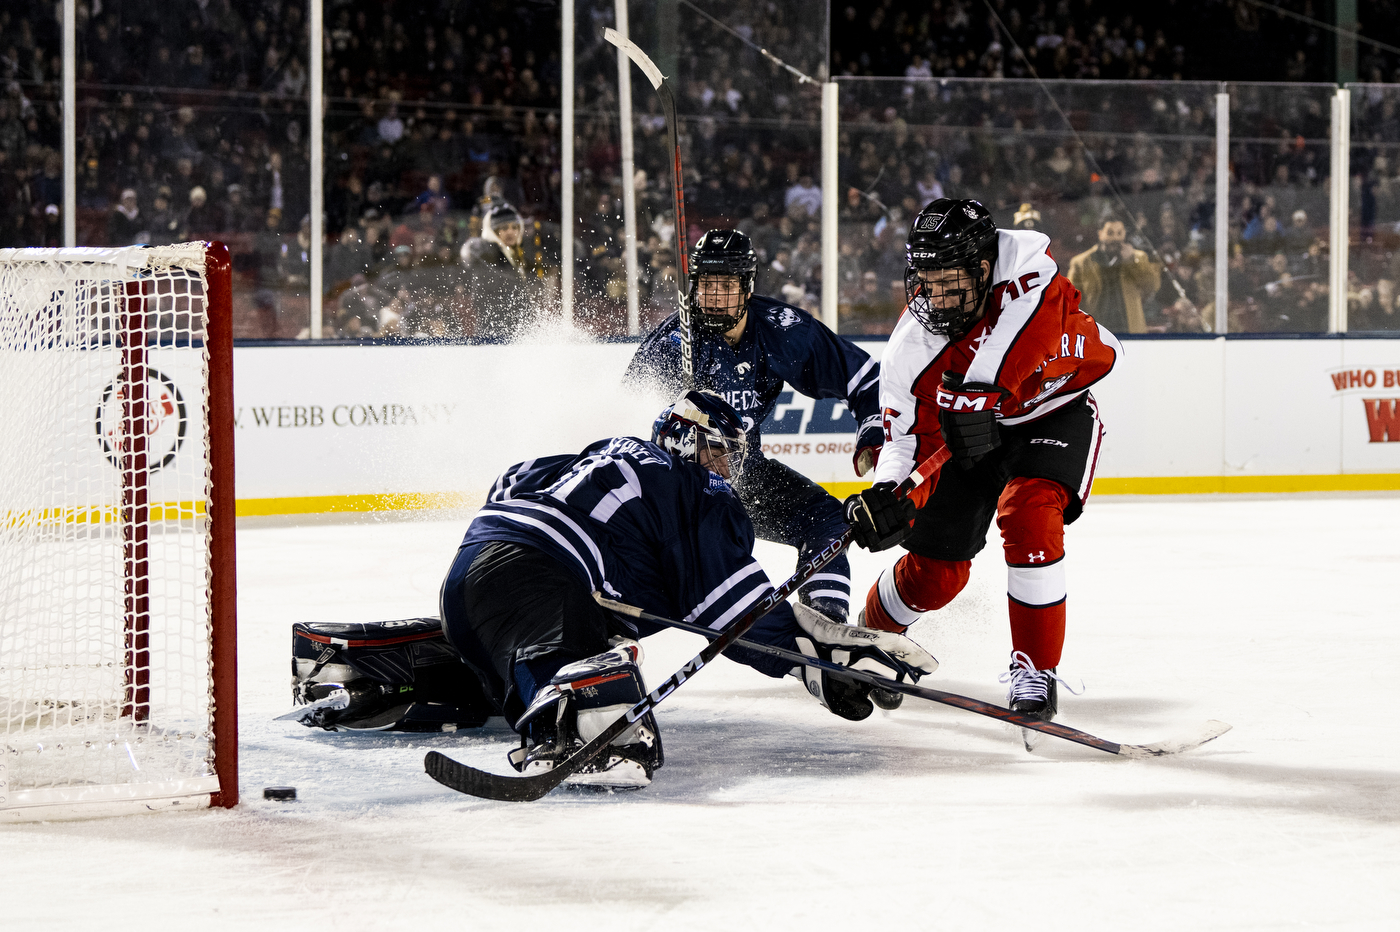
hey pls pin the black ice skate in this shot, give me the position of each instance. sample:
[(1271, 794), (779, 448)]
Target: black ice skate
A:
[(1033, 692)]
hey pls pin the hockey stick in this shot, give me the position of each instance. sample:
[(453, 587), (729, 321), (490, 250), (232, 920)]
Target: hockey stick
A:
[(1207, 732), (668, 106), (481, 783)]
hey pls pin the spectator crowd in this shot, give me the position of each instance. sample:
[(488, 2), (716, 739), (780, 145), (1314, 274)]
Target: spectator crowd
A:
[(192, 124)]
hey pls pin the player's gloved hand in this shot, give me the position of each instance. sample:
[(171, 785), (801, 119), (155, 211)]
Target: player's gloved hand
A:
[(880, 518), (967, 416), (883, 653), (868, 449)]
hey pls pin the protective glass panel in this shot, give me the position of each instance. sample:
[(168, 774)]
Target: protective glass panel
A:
[(1373, 267), (1280, 163), (750, 146), (1131, 164)]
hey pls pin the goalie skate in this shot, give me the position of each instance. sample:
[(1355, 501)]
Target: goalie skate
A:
[(581, 700)]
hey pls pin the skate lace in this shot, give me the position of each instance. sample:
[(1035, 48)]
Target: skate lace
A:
[(1028, 683)]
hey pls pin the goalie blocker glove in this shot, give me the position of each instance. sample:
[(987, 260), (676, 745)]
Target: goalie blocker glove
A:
[(878, 517), (880, 652), (967, 416)]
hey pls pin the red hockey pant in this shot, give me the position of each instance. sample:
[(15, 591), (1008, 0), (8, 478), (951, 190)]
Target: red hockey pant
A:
[(1031, 517)]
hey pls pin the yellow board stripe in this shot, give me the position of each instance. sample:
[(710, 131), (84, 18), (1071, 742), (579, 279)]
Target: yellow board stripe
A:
[(1191, 485), (1198, 485), (1150, 485), (98, 514), (430, 501), (327, 504)]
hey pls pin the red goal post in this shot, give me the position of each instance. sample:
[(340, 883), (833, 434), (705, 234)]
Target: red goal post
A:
[(118, 660)]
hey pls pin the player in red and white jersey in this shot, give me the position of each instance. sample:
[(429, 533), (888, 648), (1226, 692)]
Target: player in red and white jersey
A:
[(993, 357)]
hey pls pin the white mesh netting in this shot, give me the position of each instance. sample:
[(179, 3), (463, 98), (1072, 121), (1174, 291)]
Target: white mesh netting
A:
[(105, 670)]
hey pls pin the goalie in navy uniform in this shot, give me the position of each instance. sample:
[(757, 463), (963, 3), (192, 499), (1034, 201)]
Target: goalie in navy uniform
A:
[(745, 346), (654, 524)]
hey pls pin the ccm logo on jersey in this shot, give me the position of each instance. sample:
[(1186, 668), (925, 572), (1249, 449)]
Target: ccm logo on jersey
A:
[(968, 400), (1053, 443)]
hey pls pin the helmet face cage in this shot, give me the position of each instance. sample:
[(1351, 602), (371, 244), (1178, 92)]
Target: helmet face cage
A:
[(721, 450), (703, 422), (950, 235), (953, 318), (721, 252)]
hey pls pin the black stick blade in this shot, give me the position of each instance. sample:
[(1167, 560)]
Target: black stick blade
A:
[(458, 776)]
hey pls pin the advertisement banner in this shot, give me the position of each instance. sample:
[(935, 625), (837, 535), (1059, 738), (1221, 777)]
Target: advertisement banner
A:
[(329, 428)]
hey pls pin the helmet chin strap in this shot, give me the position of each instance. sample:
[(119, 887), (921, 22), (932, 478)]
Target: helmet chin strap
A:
[(720, 320)]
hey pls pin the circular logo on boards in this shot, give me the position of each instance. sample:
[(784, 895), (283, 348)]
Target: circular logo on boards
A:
[(165, 410)]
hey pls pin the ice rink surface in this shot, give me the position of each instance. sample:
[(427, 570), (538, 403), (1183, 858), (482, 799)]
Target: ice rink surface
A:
[(1278, 615)]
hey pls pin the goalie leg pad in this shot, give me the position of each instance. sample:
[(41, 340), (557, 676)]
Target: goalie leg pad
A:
[(881, 652), (383, 676), (579, 702)]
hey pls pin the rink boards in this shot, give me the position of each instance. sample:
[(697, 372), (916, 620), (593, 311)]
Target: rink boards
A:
[(360, 428)]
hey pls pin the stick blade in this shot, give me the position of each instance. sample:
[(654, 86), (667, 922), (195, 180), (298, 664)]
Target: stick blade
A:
[(483, 785), (1187, 741), (639, 58)]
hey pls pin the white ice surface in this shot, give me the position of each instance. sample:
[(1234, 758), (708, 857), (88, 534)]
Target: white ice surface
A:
[(1278, 615)]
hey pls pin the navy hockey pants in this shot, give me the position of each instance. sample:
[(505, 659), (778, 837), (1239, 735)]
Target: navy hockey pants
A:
[(788, 508)]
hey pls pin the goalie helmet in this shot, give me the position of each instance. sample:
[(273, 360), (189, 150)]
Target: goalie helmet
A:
[(950, 234), (721, 252), (701, 427)]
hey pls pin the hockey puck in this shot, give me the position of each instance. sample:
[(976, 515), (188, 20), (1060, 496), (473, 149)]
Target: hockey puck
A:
[(279, 792)]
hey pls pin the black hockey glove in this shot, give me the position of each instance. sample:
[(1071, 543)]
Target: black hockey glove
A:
[(967, 416), (879, 518), (883, 653)]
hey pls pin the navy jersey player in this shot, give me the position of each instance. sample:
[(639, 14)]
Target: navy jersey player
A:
[(652, 524), (746, 346)]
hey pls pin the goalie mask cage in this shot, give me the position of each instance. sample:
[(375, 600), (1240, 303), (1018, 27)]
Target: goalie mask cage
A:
[(117, 625)]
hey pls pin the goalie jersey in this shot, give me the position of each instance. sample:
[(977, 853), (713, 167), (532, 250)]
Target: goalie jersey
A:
[(644, 528), (780, 344)]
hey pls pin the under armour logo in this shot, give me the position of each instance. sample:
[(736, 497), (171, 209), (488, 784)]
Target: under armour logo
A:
[(1036, 557), (743, 367)]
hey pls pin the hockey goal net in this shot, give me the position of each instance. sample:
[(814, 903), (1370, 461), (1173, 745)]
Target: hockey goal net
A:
[(117, 655)]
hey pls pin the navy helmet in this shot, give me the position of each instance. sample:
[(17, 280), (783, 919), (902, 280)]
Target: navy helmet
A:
[(701, 427), (722, 252), (957, 235)]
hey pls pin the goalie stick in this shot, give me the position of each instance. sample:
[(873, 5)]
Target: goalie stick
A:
[(486, 785), (668, 107), (1185, 742)]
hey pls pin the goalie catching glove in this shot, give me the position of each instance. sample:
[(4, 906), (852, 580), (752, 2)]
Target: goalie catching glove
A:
[(883, 653), (968, 418)]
